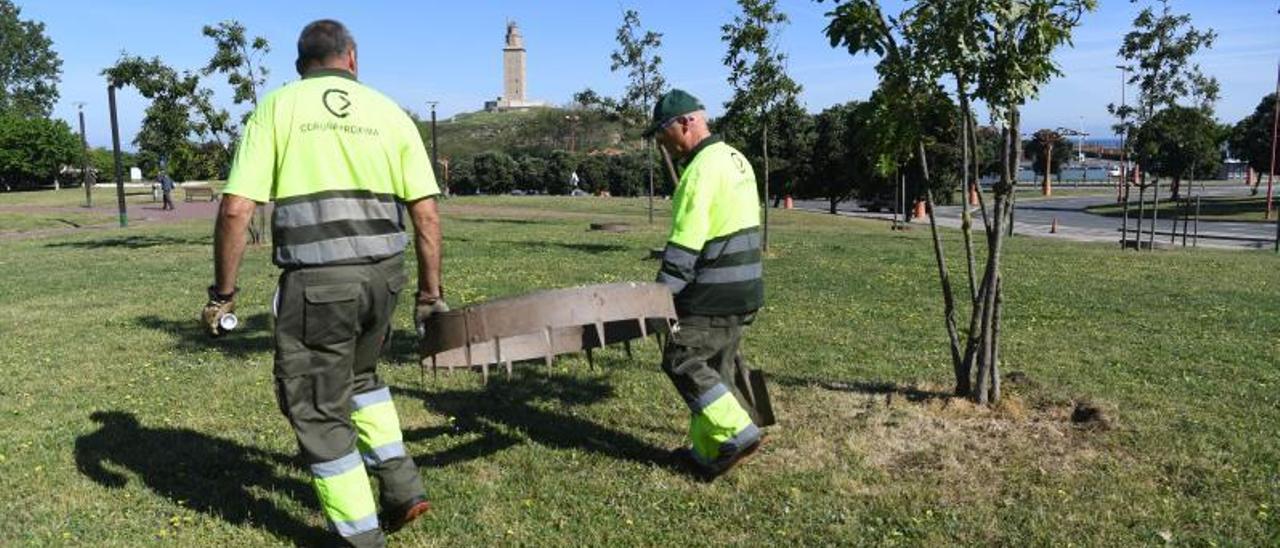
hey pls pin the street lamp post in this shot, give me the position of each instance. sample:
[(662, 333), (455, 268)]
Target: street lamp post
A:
[(84, 158), (435, 155), (115, 145)]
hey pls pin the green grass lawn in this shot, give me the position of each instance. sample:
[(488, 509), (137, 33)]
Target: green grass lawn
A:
[(126, 426), (1212, 208)]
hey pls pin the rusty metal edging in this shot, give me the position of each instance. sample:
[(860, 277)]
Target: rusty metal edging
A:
[(546, 324)]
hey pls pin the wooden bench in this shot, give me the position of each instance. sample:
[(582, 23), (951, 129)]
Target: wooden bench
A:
[(193, 192)]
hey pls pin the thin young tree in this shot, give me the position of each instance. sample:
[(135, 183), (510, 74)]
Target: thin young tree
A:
[(1158, 56), (757, 73), (240, 59), (1018, 38), (638, 53)]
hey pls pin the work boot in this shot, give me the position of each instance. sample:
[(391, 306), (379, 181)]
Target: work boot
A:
[(684, 459), (396, 518)]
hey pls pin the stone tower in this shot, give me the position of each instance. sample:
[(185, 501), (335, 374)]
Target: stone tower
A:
[(513, 68), (513, 75)]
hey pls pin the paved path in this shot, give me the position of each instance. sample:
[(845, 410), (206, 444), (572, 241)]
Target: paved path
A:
[(1034, 216)]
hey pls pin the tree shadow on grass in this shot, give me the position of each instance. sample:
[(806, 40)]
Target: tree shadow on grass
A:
[(498, 221), (211, 475), (867, 387), (521, 405), (253, 336), (594, 249), (133, 242)]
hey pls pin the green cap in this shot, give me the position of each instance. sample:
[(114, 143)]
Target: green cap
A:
[(672, 103)]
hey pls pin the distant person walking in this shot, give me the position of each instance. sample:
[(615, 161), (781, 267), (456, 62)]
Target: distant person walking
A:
[(341, 162), (712, 264), (166, 190)]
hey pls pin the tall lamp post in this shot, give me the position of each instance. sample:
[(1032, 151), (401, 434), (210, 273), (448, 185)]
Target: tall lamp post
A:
[(115, 145), (84, 158), (1275, 128), (435, 162)]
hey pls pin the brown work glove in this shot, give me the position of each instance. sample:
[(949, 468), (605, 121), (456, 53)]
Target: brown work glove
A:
[(214, 310), (427, 308)]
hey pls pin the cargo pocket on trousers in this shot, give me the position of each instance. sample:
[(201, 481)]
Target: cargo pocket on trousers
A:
[(332, 313), (394, 285)]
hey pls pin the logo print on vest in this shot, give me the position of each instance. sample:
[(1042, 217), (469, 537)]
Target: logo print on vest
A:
[(336, 102)]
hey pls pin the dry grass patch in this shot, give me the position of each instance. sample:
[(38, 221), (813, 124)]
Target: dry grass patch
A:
[(920, 433)]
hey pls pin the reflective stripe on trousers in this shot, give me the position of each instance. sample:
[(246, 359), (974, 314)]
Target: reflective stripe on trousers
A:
[(345, 495), (720, 427), (377, 426)]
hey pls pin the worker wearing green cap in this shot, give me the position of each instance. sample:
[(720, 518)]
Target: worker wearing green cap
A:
[(712, 264)]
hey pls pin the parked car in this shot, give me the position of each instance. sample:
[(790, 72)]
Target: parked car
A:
[(879, 202)]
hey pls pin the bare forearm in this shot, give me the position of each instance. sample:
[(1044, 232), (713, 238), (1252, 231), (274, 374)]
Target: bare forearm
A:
[(428, 244), (228, 240)]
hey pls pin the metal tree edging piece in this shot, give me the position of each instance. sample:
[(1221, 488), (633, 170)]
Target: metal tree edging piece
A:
[(545, 324)]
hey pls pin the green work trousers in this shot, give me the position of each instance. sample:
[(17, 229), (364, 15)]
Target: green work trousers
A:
[(331, 325), (702, 360)]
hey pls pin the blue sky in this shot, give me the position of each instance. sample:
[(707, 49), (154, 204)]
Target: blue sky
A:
[(451, 51)]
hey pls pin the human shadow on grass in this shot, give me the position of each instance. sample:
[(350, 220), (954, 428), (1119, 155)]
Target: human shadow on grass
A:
[(211, 475), (133, 242), (521, 405), (867, 387), (252, 336)]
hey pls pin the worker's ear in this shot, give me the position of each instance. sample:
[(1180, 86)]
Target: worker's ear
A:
[(351, 61)]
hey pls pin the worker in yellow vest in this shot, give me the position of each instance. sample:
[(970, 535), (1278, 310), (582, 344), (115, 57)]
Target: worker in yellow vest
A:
[(342, 163), (712, 264)]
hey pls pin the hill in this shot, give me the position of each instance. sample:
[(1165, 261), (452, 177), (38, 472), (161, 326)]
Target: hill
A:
[(535, 131)]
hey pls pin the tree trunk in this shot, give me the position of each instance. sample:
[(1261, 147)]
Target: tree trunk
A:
[(948, 296), (966, 216), (834, 202), (995, 342), (1155, 213), (977, 168), (764, 240), (1046, 187)]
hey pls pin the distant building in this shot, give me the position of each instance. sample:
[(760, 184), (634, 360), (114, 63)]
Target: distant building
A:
[(513, 75)]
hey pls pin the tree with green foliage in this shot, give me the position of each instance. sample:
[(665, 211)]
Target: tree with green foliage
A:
[(240, 59), (462, 180), (758, 76), (1009, 46), (626, 173), (494, 172), (167, 123), (593, 173), (1047, 150), (29, 67), (838, 163), (561, 166), (637, 53), (1177, 143), (531, 173), (1250, 139), (33, 151), (1158, 55)]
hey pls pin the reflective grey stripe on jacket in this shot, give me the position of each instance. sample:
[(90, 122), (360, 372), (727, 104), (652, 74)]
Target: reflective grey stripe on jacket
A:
[(337, 227), (726, 276)]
